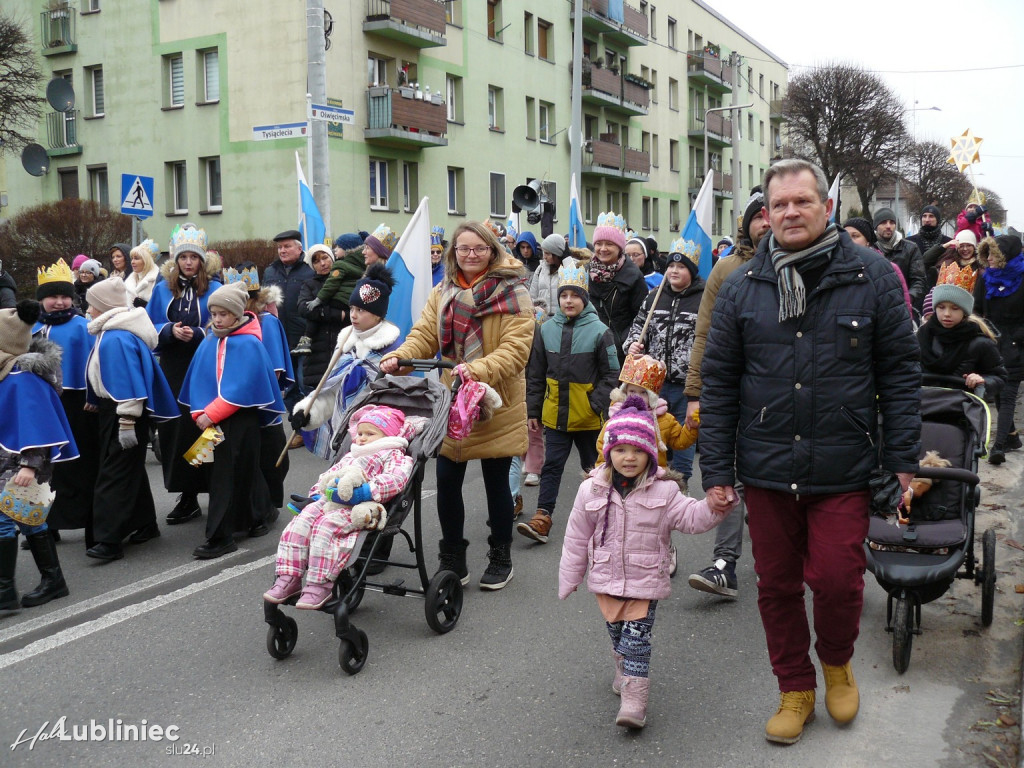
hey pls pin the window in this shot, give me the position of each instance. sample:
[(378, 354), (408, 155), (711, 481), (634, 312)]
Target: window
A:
[(177, 187), (750, 127), (645, 142), (613, 202), (68, 130), (99, 191), (212, 200), (456, 200), (673, 93), (495, 108), (760, 86), (494, 24), (211, 76), (376, 71), (589, 196), (654, 23), (453, 12), (589, 127), (654, 150), (68, 181), (528, 33), (378, 184), (762, 132), (498, 195), (673, 155), (654, 86), (94, 78), (655, 223), (453, 92), (92, 6), (545, 121), (750, 79), (673, 215), (175, 69), (671, 32), (531, 118), (545, 40), (410, 186), (645, 213), (750, 176)]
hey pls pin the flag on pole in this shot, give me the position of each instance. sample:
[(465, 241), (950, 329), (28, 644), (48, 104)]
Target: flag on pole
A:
[(697, 232), (577, 237), (512, 224), (311, 223), (833, 195), (410, 266)]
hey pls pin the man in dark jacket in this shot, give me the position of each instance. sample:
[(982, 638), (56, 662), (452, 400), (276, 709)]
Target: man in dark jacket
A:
[(8, 290), (901, 252), (289, 271), (809, 343), (930, 233)]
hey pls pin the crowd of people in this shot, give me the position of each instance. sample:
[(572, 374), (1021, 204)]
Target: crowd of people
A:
[(796, 362)]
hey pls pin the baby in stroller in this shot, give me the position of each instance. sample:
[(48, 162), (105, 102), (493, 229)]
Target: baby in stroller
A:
[(349, 497)]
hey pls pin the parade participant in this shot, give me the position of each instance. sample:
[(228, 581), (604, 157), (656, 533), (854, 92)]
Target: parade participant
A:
[(231, 384), (620, 530), (481, 318), (975, 217), (178, 311), (144, 272), (617, 286), (962, 251), (527, 251), (288, 272), (128, 389), (437, 246), (572, 370), (901, 252), (545, 281), (120, 266), (318, 542), (29, 448), (88, 273), (322, 302), (804, 436), (930, 233), (636, 249), (8, 289), (73, 481), (379, 244)]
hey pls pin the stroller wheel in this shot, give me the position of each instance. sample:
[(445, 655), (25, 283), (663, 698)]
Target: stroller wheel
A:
[(443, 601), (902, 634), (281, 638), (352, 655), (988, 576)]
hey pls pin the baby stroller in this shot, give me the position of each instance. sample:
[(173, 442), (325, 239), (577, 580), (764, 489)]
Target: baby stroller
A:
[(442, 594), (916, 563)]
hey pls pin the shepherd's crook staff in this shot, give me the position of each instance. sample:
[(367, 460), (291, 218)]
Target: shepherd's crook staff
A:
[(316, 392)]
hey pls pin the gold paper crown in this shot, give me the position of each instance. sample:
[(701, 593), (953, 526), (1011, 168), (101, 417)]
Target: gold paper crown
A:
[(952, 274), (689, 249), (573, 277), (385, 236), (977, 197), (58, 273), (644, 371), (250, 276)]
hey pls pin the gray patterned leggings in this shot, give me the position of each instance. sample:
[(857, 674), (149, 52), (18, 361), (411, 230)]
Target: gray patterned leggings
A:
[(632, 641)]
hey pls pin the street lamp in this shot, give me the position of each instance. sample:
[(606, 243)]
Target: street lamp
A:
[(737, 107)]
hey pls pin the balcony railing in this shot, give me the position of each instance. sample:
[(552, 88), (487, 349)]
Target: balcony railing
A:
[(722, 182), (609, 158), (775, 109), (709, 69), (613, 90), (395, 116), (631, 29), (420, 23), (58, 30), (62, 130), (718, 127)]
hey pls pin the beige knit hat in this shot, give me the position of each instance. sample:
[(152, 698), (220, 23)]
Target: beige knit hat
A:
[(231, 297), (107, 295), (16, 333)]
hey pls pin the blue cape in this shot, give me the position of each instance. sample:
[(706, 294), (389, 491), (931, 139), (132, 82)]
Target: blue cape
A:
[(250, 380), (276, 342), (34, 417), (160, 303), (129, 372), (76, 343)]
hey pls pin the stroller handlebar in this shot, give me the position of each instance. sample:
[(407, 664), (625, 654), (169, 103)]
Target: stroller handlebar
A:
[(949, 473), (425, 365), (942, 380)]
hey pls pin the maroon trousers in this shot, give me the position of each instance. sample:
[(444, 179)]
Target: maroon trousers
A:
[(816, 540)]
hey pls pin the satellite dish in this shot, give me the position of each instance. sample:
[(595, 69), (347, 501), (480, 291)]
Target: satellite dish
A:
[(35, 160), (60, 94)]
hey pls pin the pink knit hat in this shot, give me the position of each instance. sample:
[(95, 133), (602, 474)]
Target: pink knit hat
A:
[(633, 425), (612, 228), (388, 420), (79, 260)]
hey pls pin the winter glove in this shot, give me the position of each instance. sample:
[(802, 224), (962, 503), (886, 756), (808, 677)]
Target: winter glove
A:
[(137, 302), (126, 434), (299, 419), (311, 305), (360, 494)]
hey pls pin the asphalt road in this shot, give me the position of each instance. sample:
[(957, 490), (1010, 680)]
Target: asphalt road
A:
[(524, 679)]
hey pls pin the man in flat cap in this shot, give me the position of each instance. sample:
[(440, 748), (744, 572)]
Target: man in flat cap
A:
[(289, 271)]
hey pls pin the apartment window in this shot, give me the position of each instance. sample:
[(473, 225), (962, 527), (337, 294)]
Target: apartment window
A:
[(671, 32), (589, 127), (67, 179), (528, 33), (645, 142), (645, 213), (673, 155), (655, 223), (456, 199), (654, 86), (69, 136), (760, 86), (453, 92), (545, 120), (750, 127), (99, 191), (410, 186), (750, 79), (212, 199), (177, 187), (494, 24), (531, 118), (376, 71), (175, 70), (495, 108), (673, 215), (453, 12), (94, 79), (762, 132), (545, 40), (589, 196), (378, 184), (750, 176), (654, 23), (673, 93), (211, 75), (613, 202), (654, 150), (498, 195), (92, 6)]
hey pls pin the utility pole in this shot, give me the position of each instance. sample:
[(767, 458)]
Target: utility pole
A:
[(735, 60), (316, 87), (576, 121)]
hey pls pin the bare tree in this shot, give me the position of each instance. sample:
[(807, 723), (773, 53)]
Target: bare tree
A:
[(994, 204), (20, 79), (845, 119), (934, 181)]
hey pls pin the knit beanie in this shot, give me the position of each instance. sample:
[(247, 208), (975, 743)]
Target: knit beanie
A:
[(611, 228), (79, 260), (315, 249), (107, 295), (373, 290), (91, 265), (928, 306), (633, 424), (555, 245), (884, 214), (933, 210), (382, 241), (574, 279), (348, 241), (1009, 246), (754, 206), (863, 226), (966, 236), (955, 294), (388, 420), (231, 297)]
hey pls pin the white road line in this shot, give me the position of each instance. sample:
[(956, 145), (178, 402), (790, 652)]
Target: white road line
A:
[(126, 613), (84, 606)]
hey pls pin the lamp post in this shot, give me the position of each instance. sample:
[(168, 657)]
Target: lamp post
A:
[(899, 154)]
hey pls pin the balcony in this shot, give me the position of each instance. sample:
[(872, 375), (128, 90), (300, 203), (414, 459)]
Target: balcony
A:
[(396, 118), (62, 133), (722, 183), (605, 157), (775, 111), (707, 68), (631, 29), (718, 128), (419, 23), (607, 89), (58, 30)]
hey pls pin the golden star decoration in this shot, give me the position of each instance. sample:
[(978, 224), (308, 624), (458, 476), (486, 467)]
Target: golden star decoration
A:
[(965, 150)]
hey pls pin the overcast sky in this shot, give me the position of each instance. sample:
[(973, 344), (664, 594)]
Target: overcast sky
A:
[(967, 58)]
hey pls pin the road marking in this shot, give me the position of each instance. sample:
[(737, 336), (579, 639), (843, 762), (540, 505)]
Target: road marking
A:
[(128, 612)]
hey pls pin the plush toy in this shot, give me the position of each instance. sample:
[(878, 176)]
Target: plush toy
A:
[(338, 489), (920, 485)]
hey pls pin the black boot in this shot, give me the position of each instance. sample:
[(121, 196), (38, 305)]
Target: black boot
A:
[(52, 586), (499, 570), (9, 602), (186, 509), (453, 558), (997, 455), (53, 532)]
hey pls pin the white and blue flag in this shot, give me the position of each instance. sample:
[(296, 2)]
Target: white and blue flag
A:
[(697, 232), (410, 266), (833, 195), (311, 223), (577, 237)]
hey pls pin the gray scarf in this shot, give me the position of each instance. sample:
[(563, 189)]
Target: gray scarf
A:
[(792, 294), (888, 246)]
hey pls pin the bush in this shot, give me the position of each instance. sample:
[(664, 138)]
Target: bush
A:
[(259, 252)]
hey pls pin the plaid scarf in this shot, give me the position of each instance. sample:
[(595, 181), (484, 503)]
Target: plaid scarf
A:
[(792, 294), (464, 308), (603, 273)]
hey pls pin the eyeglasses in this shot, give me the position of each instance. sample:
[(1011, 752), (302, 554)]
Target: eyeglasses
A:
[(479, 250)]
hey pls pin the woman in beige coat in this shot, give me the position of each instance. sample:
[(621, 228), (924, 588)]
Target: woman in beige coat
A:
[(481, 317)]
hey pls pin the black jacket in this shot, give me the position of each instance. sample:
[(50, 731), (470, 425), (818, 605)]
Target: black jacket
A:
[(1006, 314), (8, 291), (907, 256), (619, 300), (673, 328), (289, 280), (793, 404), (330, 319)]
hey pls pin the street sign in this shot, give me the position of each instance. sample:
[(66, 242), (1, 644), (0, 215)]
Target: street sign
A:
[(282, 131), (137, 195), (333, 114)]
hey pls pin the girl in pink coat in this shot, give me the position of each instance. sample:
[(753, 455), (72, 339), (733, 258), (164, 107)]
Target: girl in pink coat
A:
[(620, 526)]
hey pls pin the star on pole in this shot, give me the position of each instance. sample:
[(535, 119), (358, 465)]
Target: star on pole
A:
[(965, 150)]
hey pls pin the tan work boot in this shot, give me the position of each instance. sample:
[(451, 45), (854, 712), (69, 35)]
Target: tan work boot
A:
[(796, 709), (633, 709), (537, 527), (842, 699)]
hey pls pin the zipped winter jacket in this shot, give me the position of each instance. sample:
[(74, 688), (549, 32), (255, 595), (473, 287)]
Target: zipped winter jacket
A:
[(672, 330), (619, 300)]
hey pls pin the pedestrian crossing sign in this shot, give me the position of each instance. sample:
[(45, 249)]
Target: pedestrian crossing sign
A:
[(137, 195)]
